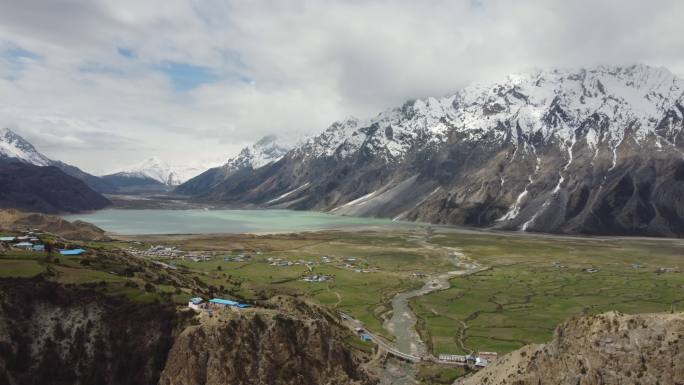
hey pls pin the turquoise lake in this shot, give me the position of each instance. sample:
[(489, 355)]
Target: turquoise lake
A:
[(199, 221)]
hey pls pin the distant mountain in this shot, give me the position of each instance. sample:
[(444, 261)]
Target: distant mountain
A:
[(597, 150), (264, 152), (152, 175), (14, 147), (45, 189)]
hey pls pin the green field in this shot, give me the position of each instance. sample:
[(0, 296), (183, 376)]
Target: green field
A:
[(537, 282)]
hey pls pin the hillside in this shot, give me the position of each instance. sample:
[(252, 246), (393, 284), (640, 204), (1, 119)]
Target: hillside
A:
[(610, 348), (596, 151), (45, 189), (52, 334)]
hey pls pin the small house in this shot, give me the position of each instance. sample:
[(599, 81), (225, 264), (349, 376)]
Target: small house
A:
[(38, 247), (71, 252), (226, 303), (8, 239), (196, 303), (488, 356), (365, 337), (24, 245), (480, 363)]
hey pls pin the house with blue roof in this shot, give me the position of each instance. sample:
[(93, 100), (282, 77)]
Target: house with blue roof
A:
[(71, 252), (227, 303)]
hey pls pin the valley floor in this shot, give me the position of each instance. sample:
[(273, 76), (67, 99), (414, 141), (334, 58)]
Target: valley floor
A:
[(531, 284)]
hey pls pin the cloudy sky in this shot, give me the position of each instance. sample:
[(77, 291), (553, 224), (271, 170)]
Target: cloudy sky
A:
[(103, 84)]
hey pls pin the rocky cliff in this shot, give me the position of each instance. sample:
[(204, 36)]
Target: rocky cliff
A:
[(605, 349), (55, 335), (293, 343), (51, 334)]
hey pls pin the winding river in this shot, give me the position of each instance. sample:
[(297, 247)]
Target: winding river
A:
[(402, 324)]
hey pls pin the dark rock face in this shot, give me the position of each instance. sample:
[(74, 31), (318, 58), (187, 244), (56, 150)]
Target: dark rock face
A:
[(53, 335), (595, 151), (94, 182), (45, 189)]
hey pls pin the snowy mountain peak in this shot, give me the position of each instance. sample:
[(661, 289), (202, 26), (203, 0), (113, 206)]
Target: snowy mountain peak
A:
[(266, 150), (550, 104), (14, 146), (153, 168)]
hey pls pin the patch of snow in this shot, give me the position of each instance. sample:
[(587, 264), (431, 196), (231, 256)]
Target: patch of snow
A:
[(287, 194)]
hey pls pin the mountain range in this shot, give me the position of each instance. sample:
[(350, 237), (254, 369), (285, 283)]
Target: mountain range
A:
[(151, 175), (597, 150)]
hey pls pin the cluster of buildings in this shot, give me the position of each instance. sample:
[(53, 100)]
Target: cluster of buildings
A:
[(199, 304), (197, 258), (157, 252), (317, 278), (241, 257), (481, 360), (28, 241), (284, 263)]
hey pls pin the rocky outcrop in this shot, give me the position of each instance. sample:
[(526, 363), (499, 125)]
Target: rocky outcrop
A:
[(296, 344), (55, 335), (606, 349), (15, 220)]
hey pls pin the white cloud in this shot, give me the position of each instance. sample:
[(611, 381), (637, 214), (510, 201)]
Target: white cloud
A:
[(282, 67)]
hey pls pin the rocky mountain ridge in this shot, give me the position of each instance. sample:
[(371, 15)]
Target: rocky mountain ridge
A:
[(264, 152), (595, 150)]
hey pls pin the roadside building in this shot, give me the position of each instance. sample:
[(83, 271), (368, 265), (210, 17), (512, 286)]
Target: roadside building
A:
[(480, 363), (452, 358), (488, 356)]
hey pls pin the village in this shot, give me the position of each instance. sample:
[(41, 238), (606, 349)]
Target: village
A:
[(32, 241)]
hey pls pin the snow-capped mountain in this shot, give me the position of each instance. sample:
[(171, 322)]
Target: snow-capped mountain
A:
[(152, 168), (596, 150), (13, 146), (29, 183), (160, 171), (266, 151)]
